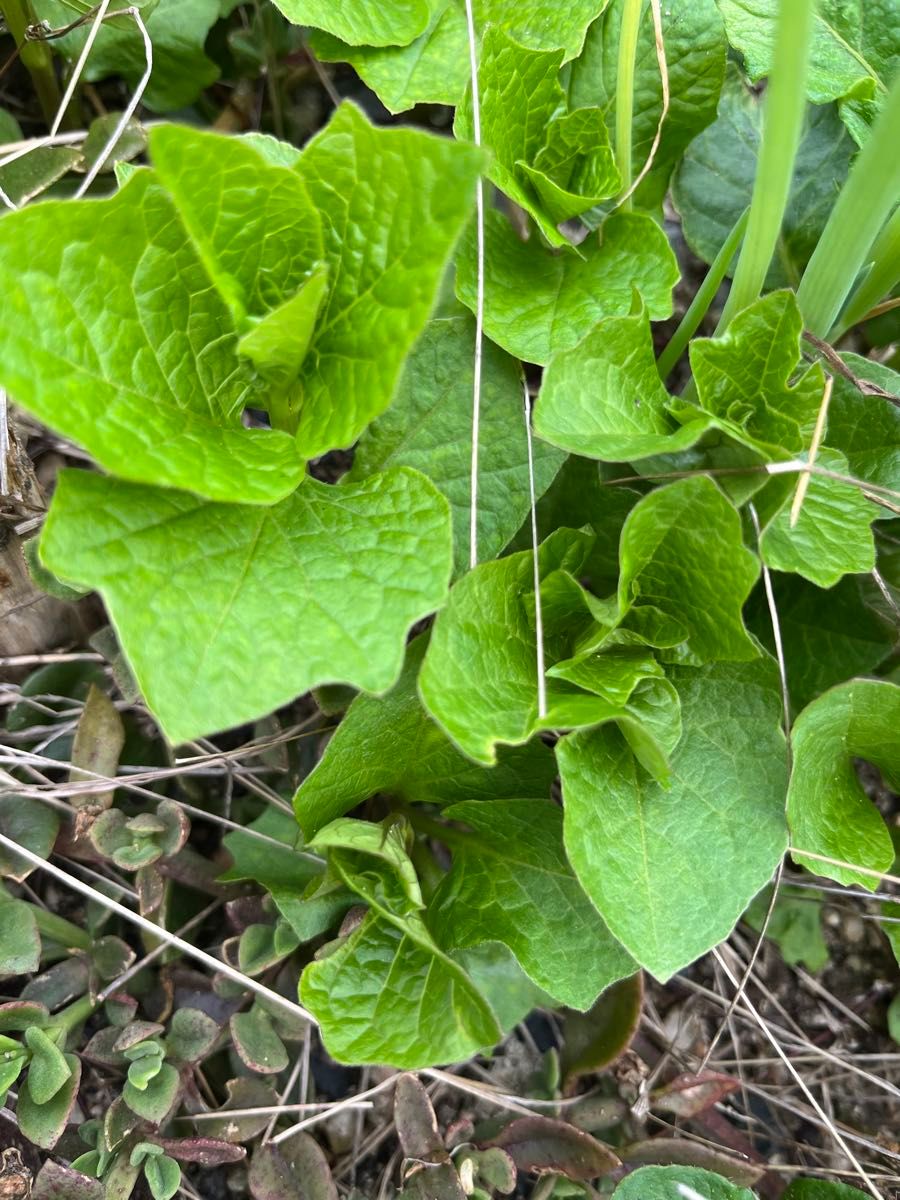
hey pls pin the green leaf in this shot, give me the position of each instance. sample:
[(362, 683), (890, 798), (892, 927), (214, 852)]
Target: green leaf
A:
[(258, 859), (822, 1189), (391, 882), (846, 55), (155, 1101), (538, 303), (664, 1183), (393, 203), (828, 811), (163, 1176), (429, 427), (744, 377), (510, 882), (398, 750), (388, 23), (696, 51), (192, 1034), (330, 580), (30, 823), (682, 553), (20, 941), (712, 184), (177, 29), (44, 1124), (255, 226), (832, 637), (604, 398), (387, 994), (257, 1042), (795, 925), (554, 164), (48, 1070), (160, 401), (833, 534), (27, 177), (592, 1041), (434, 68), (497, 975), (278, 344), (672, 870), (867, 428)]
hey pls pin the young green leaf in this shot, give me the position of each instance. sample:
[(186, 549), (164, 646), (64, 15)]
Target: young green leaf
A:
[(713, 183), (867, 428), (393, 203), (161, 400), (696, 51), (255, 226), (604, 398), (832, 536), (744, 376), (48, 1070), (538, 303), (682, 553), (387, 994), (510, 882), (156, 1100), (429, 427), (828, 811), (184, 580), (397, 749), (671, 871), (163, 1176)]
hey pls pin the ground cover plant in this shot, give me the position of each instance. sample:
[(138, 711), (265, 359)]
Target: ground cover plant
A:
[(474, 508)]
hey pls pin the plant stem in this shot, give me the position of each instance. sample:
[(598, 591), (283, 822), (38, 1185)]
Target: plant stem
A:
[(77, 1011), (880, 281), (58, 929), (785, 107), (700, 305), (861, 211), (434, 829), (628, 39), (36, 56)]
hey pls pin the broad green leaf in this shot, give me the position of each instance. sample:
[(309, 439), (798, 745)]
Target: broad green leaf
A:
[(177, 29), (604, 398), (391, 883), (393, 203), (397, 749), (255, 227), (867, 428), (388, 995), (434, 68), (665, 1183), (714, 181), (330, 580), (696, 51), (115, 338), (795, 925), (833, 533), (828, 811), (45, 1123), (744, 376), (672, 870), (20, 941), (497, 975), (362, 23), (33, 173), (833, 635), (510, 882), (538, 303), (429, 427), (853, 42), (682, 553)]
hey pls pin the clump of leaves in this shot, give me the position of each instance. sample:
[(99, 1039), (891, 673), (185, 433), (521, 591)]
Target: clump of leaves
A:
[(701, 644)]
